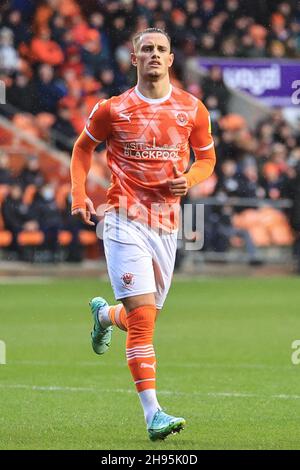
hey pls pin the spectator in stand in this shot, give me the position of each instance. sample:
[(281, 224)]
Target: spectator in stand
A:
[(31, 173), (16, 216), (91, 53), (22, 94), (97, 21), (45, 211), (73, 225), (249, 185), (107, 79), (119, 31), (207, 46), (73, 62), (64, 127), (254, 43), (58, 29), (125, 74), (6, 176), (221, 231), (16, 25), (214, 108), (228, 182), (44, 50), (213, 85), (178, 28), (274, 181), (9, 57), (49, 89)]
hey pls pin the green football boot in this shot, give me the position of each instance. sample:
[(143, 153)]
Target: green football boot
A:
[(162, 425), (101, 337)]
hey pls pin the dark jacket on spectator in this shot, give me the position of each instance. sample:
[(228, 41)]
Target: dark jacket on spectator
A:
[(14, 214)]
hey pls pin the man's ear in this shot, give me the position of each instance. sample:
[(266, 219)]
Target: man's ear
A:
[(171, 59), (133, 59)]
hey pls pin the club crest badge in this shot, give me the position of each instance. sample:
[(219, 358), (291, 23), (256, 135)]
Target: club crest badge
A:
[(182, 118), (128, 280)]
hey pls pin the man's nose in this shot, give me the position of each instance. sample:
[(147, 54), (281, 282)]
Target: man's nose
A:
[(155, 53)]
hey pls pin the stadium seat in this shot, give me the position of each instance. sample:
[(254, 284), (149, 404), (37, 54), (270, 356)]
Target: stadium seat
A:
[(26, 123), (245, 219), (267, 226), (87, 238), (6, 137), (64, 238), (5, 238), (35, 238), (204, 189), (61, 195), (29, 194), (3, 192), (260, 236), (44, 122), (282, 235)]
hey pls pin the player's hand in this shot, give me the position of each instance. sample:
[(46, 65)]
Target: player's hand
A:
[(85, 214), (179, 185)]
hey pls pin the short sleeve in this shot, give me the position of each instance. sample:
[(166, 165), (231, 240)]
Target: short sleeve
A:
[(201, 138), (98, 125)]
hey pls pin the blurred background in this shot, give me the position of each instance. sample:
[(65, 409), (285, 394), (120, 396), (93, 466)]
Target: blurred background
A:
[(58, 58)]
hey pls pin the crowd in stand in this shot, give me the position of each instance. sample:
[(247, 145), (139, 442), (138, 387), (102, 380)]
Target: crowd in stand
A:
[(58, 58), (30, 206)]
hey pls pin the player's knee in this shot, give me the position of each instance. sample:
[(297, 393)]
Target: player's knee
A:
[(135, 301)]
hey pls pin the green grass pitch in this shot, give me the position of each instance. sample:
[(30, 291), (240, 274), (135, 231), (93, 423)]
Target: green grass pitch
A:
[(224, 363)]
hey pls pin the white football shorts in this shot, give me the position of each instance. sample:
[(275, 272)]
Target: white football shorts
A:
[(139, 259)]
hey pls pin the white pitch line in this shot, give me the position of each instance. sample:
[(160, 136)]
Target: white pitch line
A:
[(55, 388)]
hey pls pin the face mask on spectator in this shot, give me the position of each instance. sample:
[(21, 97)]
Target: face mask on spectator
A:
[(48, 194)]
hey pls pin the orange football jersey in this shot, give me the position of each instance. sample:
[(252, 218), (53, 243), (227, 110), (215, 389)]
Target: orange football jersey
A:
[(145, 139)]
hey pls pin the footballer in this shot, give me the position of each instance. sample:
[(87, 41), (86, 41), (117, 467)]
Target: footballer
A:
[(148, 131)]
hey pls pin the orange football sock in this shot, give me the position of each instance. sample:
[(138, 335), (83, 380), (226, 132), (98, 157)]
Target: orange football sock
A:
[(118, 316), (139, 346)]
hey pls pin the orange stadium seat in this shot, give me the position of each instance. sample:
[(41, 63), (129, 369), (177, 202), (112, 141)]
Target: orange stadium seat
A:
[(87, 238), (204, 189), (3, 192), (35, 238), (6, 137), (61, 195), (260, 235), (64, 238), (267, 226), (245, 219), (282, 235), (44, 123), (25, 122), (29, 194), (5, 238)]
